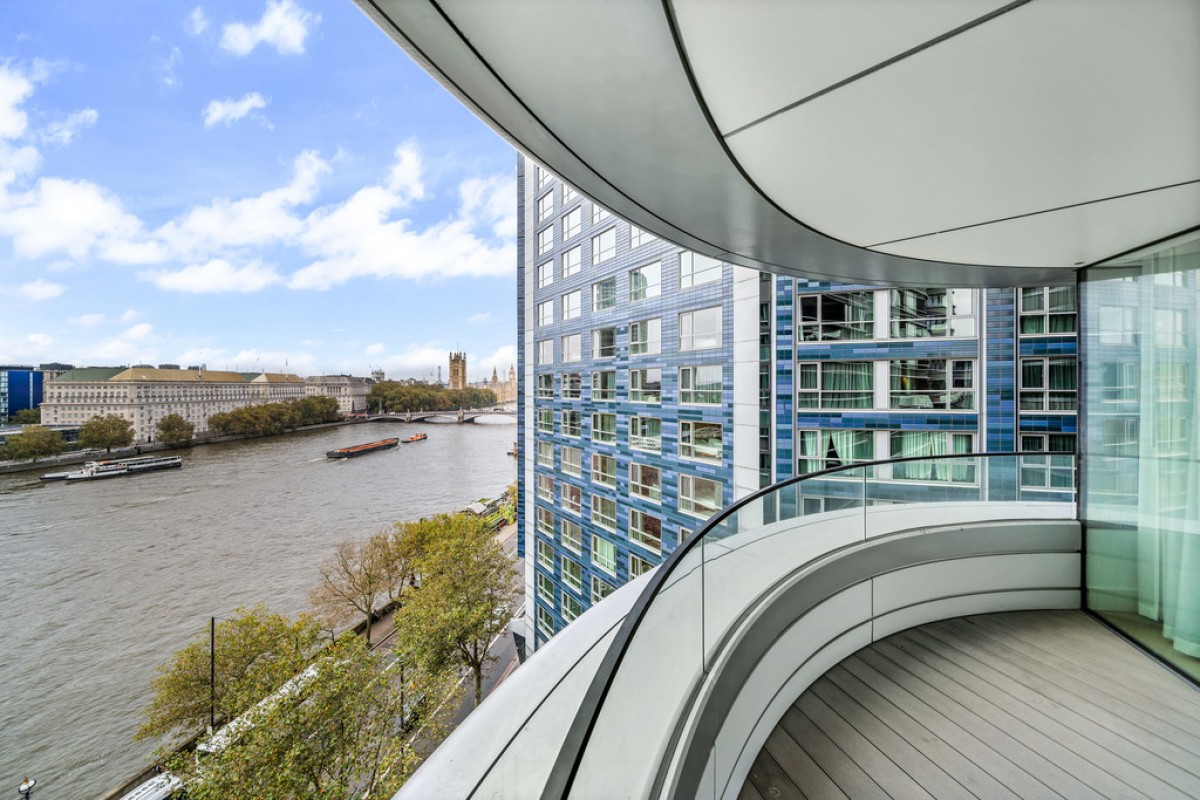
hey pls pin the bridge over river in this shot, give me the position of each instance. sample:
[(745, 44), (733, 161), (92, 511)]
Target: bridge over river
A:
[(460, 416)]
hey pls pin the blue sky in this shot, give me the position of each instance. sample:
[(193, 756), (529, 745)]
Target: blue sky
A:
[(246, 185)]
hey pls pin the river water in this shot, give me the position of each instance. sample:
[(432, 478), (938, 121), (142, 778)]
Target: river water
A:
[(101, 581)]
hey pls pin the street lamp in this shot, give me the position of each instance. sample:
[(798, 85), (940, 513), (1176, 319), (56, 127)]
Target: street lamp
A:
[(26, 787)]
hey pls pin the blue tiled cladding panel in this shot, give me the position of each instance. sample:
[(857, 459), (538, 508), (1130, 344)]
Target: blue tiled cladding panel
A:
[(667, 306), (521, 354), (784, 389)]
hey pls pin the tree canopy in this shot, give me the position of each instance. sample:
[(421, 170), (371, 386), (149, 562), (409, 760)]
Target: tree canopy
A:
[(33, 442), (271, 418), (256, 651), (175, 431), (467, 589), (27, 416), (108, 431), (401, 397)]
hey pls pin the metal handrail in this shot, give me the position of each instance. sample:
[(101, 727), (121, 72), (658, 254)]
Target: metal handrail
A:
[(562, 774)]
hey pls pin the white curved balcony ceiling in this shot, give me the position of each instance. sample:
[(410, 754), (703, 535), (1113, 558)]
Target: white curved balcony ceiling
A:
[(905, 141)]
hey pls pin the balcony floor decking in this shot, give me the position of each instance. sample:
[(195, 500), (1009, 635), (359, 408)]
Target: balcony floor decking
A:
[(1013, 705)]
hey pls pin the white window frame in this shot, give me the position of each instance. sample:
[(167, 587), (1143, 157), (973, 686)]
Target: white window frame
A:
[(707, 339), (545, 351), (572, 222), (572, 305), (545, 386), (604, 554), (639, 488), (688, 448), (545, 454), (571, 536), (639, 237), (572, 423), (688, 503), (545, 240), (572, 261), (696, 270), (604, 469), (688, 395), (572, 348), (545, 555), (638, 535), (545, 313), (545, 521), (653, 284), (599, 393), (545, 488), (638, 566), (572, 462), (1044, 392), (951, 397), (598, 434), (599, 213), (638, 440), (545, 274), (639, 379), (572, 499), (569, 393), (606, 519), (545, 206), (829, 398), (601, 303), (545, 420), (645, 337), (604, 245), (571, 572), (598, 347)]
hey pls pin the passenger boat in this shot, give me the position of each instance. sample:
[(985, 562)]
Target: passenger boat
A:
[(55, 476), (96, 470), (416, 437), (362, 449)]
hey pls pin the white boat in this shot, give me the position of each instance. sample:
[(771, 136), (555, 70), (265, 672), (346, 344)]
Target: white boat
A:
[(95, 470)]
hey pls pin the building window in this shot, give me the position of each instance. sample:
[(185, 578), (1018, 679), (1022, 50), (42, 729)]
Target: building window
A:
[(545, 386), (572, 538), (545, 588), (571, 423), (645, 482), (922, 444), (604, 343), (646, 530), (604, 245), (645, 282), (638, 237), (604, 428), (1055, 469), (571, 348), (700, 386), (545, 351), (700, 441), (572, 574), (645, 433), (572, 498), (638, 566), (545, 622), (604, 469), (571, 386), (545, 240), (817, 450), (545, 420), (645, 337), (695, 269), (545, 488), (833, 316), (604, 385), (545, 521), (572, 261), (604, 295), (835, 384), (700, 497), (572, 304), (921, 313), (936, 383), (545, 454), (545, 313), (571, 608), (600, 589), (545, 554), (572, 463), (545, 274), (700, 330), (568, 194), (1048, 384), (599, 214), (543, 177), (645, 385), (604, 555), (545, 206), (572, 222), (1048, 309), (604, 512)]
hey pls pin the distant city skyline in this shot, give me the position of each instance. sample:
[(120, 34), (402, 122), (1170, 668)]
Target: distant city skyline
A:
[(269, 185)]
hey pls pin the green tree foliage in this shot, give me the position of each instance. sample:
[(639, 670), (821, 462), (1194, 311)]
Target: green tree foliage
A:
[(27, 416), (467, 588), (33, 442), (354, 580), (401, 397), (347, 728), (108, 431), (175, 431), (271, 418), (256, 652)]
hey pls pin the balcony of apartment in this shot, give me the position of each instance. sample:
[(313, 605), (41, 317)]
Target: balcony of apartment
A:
[(907, 628)]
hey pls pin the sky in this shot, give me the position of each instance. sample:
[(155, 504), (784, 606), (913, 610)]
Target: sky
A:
[(252, 185)]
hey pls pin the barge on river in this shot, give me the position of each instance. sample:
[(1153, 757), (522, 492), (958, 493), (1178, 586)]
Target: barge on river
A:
[(363, 449), (116, 468), (416, 437)]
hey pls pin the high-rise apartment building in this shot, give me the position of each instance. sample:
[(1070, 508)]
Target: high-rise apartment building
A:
[(661, 385), (20, 388)]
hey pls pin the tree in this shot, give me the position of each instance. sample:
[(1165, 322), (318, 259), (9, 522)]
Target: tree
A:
[(34, 442), (353, 579), (27, 416), (464, 600), (108, 431), (256, 651), (174, 431), (347, 728)]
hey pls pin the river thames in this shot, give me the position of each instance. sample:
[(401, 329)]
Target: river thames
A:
[(104, 580)]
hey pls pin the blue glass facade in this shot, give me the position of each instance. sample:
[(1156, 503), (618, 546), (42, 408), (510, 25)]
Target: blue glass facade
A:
[(20, 388)]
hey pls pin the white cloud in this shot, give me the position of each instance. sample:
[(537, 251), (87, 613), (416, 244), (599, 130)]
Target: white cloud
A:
[(40, 341), (252, 360), (404, 178), (207, 356), (374, 349), (129, 316), (14, 88), (230, 111), (500, 360), (30, 348), (480, 318), (197, 21), (63, 131), (40, 290), (216, 276), (89, 320), (128, 347), (283, 25), (168, 69)]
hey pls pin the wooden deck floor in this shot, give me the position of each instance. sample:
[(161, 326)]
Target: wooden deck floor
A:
[(1016, 705)]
